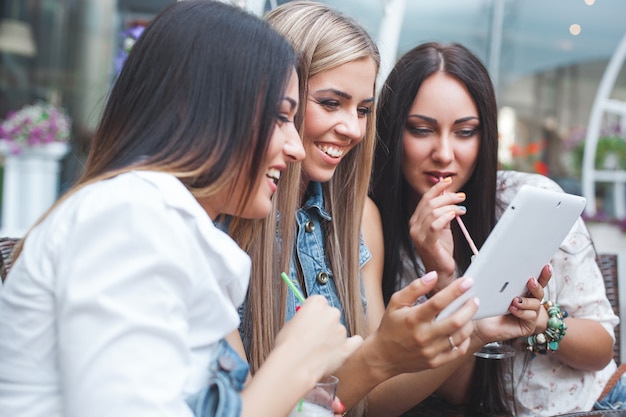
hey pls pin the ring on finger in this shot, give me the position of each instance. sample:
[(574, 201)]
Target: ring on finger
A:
[(452, 345)]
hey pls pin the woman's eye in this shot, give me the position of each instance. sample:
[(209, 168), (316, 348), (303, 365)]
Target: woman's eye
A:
[(330, 104), (467, 133), (282, 119), (364, 111), (419, 131)]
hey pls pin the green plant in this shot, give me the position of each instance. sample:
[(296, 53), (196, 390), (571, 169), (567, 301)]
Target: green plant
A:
[(611, 151)]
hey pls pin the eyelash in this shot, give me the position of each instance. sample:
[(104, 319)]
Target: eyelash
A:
[(364, 111), (418, 131), (281, 119), (467, 133)]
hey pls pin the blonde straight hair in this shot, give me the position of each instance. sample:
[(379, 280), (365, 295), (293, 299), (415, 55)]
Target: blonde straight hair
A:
[(323, 39)]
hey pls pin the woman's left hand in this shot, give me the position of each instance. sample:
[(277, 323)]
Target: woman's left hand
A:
[(526, 314)]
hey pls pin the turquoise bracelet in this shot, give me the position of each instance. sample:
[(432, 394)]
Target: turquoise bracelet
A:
[(548, 341)]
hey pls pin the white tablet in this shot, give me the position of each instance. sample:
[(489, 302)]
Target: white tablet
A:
[(526, 237)]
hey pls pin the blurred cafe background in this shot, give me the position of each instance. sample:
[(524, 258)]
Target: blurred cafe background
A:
[(548, 60)]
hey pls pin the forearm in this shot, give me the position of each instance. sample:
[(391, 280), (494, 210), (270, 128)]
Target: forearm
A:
[(402, 392), (361, 373), (456, 389), (276, 387), (586, 345), (399, 394)]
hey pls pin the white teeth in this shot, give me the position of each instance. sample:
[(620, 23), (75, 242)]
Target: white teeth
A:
[(273, 174), (332, 151)]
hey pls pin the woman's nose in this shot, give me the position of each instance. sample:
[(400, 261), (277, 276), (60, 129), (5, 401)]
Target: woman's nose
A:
[(443, 151), (351, 126), (293, 149)]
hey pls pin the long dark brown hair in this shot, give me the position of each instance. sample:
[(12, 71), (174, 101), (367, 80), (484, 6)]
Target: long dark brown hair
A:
[(198, 97), (390, 189)]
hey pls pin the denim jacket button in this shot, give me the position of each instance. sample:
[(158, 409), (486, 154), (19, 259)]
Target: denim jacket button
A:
[(322, 277), (226, 363), (309, 226)]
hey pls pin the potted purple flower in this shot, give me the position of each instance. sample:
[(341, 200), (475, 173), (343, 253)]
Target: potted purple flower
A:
[(34, 126), (32, 142)]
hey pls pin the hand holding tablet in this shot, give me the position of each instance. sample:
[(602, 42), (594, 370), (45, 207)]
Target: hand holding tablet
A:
[(525, 238)]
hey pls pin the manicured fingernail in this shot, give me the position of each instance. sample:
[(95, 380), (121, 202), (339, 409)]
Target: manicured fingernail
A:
[(520, 300), (429, 277), (463, 208), (447, 179), (343, 407), (298, 308), (476, 301), (460, 195), (467, 283), (534, 282), (550, 268), (513, 308)]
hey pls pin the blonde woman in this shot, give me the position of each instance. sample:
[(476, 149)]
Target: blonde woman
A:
[(321, 243)]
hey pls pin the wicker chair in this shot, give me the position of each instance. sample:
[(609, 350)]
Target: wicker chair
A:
[(435, 406), (608, 266), (607, 413), (6, 247)]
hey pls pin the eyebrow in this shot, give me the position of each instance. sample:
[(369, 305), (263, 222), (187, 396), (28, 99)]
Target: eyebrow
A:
[(343, 94), (291, 101), (434, 121)]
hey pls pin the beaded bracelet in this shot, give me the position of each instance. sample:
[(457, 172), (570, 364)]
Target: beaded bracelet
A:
[(548, 341)]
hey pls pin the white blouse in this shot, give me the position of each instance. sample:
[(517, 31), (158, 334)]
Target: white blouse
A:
[(117, 302)]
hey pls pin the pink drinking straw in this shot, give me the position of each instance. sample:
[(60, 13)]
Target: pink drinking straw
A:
[(467, 235), (465, 232)]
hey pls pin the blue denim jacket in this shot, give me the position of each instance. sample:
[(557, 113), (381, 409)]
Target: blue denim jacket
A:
[(220, 398), (310, 252)]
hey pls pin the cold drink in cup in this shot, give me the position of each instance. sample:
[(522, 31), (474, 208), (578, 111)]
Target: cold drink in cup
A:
[(319, 401), (307, 409)]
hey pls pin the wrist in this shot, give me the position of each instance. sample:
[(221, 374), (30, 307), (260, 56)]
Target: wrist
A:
[(477, 339), (548, 340), (373, 354), (302, 373)]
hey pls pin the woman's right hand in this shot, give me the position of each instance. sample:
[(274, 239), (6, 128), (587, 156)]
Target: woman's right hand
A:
[(410, 340), (429, 228), (316, 338)]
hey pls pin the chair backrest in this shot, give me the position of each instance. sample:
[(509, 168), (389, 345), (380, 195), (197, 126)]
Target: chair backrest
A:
[(608, 266), (598, 413), (6, 247)]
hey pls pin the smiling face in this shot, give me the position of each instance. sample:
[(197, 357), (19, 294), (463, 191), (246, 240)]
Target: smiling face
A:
[(338, 104), (442, 134), (284, 146)]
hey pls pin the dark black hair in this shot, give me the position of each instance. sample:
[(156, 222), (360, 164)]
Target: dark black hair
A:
[(390, 189)]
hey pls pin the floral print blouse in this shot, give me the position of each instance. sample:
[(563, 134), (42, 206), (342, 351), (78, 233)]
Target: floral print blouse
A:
[(542, 385)]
